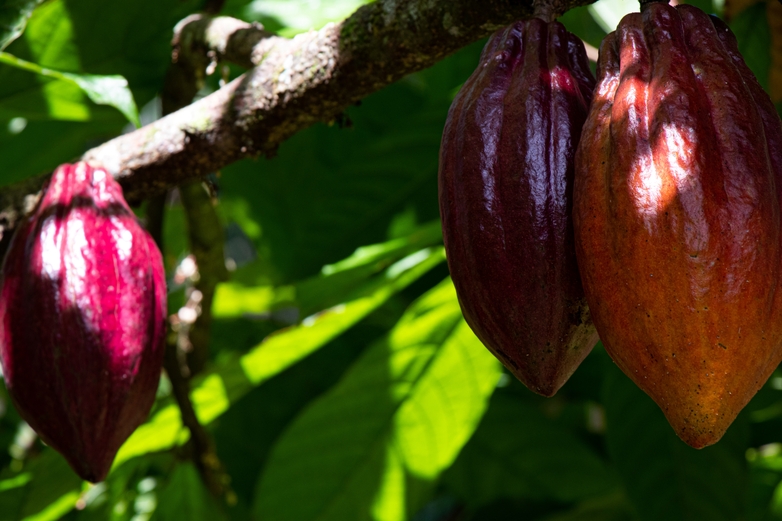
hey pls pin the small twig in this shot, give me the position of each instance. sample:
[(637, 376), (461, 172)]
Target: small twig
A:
[(203, 454), (201, 39), (206, 244), (543, 9)]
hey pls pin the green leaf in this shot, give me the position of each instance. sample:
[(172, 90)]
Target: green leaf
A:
[(235, 300), (103, 90), (754, 38), (215, 392), (406, 407), (45, 490), (380, 253), (295, 16), (108, 90), (57, 509), (246, 433), (15, 482), (53, 486), (185, 497), (665, 478), (283, 349), (519, 453), (336, 283), (13, 18), (766, 476)]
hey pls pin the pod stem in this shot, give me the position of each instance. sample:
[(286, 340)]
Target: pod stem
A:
[(544, 9), (646, 3)]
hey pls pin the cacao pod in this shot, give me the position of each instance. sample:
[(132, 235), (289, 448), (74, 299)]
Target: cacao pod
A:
[(505, 186), (82, 319), (677, 217)]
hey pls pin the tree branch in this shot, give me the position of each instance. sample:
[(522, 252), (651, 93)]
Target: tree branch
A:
[(313, 77), (206, 244)]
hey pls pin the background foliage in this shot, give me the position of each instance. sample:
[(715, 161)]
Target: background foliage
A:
[(343, 382)]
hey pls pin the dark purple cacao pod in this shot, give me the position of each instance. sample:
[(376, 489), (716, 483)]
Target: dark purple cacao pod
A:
[(506, 178), (677, 217), (82, 319)]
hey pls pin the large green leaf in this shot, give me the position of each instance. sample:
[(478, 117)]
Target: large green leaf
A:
[(665, 478), (405, 408), (247, 431), (245, 434), (216, 391)]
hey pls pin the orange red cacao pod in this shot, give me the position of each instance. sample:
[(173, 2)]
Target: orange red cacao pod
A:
[(505, 186), (82, 319), (677, 217)]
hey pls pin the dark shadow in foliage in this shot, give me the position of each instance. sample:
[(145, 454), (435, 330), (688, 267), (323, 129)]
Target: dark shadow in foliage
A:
[(520, 455), (665, 478)]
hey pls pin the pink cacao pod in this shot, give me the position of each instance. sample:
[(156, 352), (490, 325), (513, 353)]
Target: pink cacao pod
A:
[(506, 179), (82, 310)]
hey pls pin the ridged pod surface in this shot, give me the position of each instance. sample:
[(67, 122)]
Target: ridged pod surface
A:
[(677, 217), (505, 182), (82, 319)]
